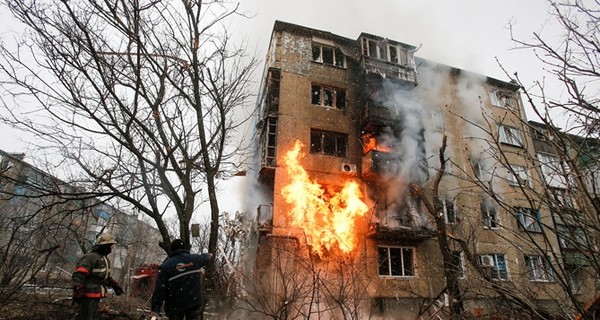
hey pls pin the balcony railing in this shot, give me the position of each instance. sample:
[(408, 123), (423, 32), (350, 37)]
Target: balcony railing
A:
[(388, 70)]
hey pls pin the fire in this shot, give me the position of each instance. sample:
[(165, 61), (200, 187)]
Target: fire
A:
[(327, 217), (370, 143)]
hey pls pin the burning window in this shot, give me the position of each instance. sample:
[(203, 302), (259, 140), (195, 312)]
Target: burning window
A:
[(328, 55), (529, 219), (539, 268), (396, 261), (510, 135), (328, 97), (328, 143)]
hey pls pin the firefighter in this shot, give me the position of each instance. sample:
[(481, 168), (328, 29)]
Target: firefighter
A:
[(92, 277), (179, 284)]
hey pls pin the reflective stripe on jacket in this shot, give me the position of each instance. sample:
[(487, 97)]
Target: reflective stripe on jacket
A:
[(92, 270), (178, 283)]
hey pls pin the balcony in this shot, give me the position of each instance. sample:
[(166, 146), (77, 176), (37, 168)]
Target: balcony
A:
[(377, 163), (388, 70), (399, 233)]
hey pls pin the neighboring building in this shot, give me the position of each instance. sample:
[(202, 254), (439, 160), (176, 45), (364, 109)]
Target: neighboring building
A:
[(369, 112), (46, 224)]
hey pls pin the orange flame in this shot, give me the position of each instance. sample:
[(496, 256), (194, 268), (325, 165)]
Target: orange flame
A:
[(327, 218), (370, 143)]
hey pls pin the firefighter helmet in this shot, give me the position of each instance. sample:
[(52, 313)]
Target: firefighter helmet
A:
[(105, 239)]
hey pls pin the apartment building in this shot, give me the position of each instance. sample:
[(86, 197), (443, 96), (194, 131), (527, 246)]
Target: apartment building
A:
[(368, 115), (46, 224)]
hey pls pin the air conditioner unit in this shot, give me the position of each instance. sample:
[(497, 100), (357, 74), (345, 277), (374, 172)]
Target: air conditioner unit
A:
[(487, 261), (348, 168)]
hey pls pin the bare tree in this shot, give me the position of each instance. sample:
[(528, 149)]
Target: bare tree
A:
[(140, 96)]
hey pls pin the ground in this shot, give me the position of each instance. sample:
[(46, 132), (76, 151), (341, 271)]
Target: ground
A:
[(45, 307)]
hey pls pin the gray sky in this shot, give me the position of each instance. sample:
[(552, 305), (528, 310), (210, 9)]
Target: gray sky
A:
[(468, 34)]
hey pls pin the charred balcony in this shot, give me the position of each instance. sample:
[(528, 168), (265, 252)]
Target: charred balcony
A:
[(376, 164), (268, 149), (386, 70), (399, 233)]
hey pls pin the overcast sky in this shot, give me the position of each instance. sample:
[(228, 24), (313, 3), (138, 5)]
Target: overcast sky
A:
[(468, 34)]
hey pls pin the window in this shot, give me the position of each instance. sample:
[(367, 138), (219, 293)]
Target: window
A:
[(510, 135), (552, 170), (539, 268), (574, 275), (437, 120), (502, 99), (563, 198), (450, 214), (457, 263), (374, 49), (489, 216), (328, 97), (571, 237), (396, 261), (496, 263), (529, 219), (518, 176), (328, 143), (328, 55)]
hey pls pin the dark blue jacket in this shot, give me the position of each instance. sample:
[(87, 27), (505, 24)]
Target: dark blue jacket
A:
[(178, 284)]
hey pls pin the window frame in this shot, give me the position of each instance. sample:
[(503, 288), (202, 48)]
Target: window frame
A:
[(437, 120), (496, 274), (485, 210), (539, 268), (518, 175), (325, 138), (337, 61), (445, 205), (390, 262), (502, 99), (510, 136), (527, 217), (335, 95)]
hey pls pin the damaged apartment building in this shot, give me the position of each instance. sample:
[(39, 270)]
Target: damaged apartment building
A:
[(347, 128)]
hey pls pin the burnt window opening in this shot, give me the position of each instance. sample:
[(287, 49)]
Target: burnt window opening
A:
[(489, 216), (450, 214), (328, 55), (328, 97), (396, 261), (328, 143)]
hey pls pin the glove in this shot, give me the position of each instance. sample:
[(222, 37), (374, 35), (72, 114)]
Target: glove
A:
[(116, 287), (118, 290), (78, 292)]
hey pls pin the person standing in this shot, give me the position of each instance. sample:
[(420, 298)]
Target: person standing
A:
[(92, 277), (179, 284)]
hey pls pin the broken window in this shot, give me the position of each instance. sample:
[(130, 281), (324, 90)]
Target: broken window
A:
[(539, 268), (457, 263), (328, 97), (510, 135), (489, 216), (374, 49), (328, 143), (496, 262), (529, 219), (396, 261), (328, 55), (518, 176), (450, 214), (502, 99)]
